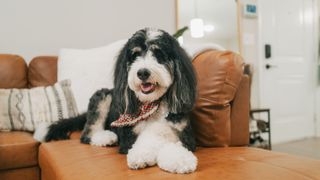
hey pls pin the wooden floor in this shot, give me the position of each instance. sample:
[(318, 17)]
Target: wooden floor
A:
[(306, 147)]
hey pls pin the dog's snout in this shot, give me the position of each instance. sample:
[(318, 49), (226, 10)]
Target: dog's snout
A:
[(143, 74)]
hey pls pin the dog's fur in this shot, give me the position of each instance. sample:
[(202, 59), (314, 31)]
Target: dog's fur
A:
[(166, 137)]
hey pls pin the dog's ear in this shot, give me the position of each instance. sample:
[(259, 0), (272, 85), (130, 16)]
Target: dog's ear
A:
[(182, 93), (123, 96)]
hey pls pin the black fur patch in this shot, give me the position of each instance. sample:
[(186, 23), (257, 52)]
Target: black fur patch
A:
[(61, 129)]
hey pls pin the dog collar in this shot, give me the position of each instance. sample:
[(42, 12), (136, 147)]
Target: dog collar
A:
[(145, 111)]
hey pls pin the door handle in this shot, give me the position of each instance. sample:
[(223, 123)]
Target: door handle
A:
[(268, 66), (267, 49)]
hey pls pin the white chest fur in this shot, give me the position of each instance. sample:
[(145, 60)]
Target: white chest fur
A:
[(158, 127)]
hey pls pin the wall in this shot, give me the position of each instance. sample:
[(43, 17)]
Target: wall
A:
[(41, 27), (221, 14), (250, 50)]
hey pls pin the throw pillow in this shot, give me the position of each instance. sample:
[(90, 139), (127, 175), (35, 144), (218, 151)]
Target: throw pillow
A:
[(24, 109), (89, 70)]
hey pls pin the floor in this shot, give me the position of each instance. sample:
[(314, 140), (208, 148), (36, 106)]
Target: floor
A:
[(306, 147)]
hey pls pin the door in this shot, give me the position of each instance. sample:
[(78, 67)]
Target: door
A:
[(287, 67)]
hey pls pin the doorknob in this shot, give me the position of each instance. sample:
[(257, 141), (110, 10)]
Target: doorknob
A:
[(268, 66)]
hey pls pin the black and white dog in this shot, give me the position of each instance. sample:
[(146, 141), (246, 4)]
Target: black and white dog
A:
[(147, 111)]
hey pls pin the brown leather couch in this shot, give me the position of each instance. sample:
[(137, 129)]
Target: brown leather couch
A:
[(221, 129)]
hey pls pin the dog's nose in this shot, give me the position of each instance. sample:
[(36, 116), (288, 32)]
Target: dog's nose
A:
[(143, 74)]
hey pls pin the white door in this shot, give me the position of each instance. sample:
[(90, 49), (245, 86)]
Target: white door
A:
[(287, 78)]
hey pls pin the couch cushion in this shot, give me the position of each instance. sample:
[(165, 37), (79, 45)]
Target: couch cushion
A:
[(17, 150), (29, 173), (13, 71), (42, 71), (219, 74), (71, 160)]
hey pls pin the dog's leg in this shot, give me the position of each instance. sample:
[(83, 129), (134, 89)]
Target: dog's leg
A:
[(175, 158), (94, 132), (144, 151), (181, 123)]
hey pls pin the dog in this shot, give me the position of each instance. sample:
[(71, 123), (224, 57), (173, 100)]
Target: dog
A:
[(147, 112)]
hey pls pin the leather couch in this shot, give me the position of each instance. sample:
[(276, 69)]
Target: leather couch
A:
[(221, 130)]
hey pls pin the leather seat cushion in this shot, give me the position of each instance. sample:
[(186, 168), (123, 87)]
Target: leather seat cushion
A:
[(17, 150), (71, 160), (29, 173)]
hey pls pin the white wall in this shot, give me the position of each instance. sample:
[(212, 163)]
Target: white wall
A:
[(41, 27), (250, 51), (221, 14)]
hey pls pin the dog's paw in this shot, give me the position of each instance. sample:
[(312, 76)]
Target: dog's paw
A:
[(103, 138), (84, 139), (139, 158), (175, 158)]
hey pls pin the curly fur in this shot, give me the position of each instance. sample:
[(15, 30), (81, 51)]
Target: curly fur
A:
[(166, 138)]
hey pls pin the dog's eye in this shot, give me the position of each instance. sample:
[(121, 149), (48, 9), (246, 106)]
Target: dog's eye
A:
[(135, 55), (136, 51), (160, 56)]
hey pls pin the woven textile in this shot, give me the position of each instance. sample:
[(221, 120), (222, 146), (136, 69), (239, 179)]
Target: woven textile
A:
[(24, 109), (145, 111)]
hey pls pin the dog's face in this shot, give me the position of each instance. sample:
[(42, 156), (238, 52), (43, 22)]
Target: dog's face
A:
[(150, 69), (150, 66)]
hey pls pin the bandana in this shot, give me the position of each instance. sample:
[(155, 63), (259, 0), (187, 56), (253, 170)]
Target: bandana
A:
[(145, 111)]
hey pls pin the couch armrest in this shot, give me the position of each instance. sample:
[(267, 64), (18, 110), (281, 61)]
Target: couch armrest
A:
[(219, 74), (240, 114)]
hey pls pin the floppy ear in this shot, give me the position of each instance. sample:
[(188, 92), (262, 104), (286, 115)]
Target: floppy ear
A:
[(182, 93), (123, 96)]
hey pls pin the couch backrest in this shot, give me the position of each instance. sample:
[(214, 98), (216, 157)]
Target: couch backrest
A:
[(42, 71), (13, 71)]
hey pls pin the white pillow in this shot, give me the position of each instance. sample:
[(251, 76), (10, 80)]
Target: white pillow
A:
[(89, 70)]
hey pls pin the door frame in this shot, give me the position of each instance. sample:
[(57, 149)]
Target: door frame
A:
[(317, 57), (261, 63)]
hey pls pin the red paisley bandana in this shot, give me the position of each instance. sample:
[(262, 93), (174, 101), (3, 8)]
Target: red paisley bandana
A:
[(145, 111)]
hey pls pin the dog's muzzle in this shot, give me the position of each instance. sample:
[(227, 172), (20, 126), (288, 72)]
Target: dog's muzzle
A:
[(146, 87)]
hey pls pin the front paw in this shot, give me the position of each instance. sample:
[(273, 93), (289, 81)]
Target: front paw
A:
[(85, 139), (139, 158), (103, 138), (175, 158)]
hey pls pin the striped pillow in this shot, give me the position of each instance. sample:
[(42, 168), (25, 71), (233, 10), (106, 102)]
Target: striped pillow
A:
[(24, 109)]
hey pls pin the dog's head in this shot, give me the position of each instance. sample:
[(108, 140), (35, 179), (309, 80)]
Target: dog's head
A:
[(152, 65)]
